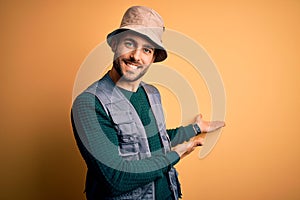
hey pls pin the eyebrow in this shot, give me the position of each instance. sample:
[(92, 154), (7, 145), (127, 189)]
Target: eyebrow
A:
[(149, 46)]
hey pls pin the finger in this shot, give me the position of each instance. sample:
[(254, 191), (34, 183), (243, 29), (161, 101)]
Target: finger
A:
[(221, 123), (190, 144), (216, 125), (198, 142)]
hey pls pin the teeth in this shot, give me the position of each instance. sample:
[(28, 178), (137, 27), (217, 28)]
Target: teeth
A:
[(133, 66)]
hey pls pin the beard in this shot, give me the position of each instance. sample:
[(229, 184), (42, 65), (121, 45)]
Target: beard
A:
[(129, 76)]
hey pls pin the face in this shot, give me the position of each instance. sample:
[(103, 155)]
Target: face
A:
[(133, 56)]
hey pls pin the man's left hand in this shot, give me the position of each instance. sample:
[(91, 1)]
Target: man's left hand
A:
[(207, 126)]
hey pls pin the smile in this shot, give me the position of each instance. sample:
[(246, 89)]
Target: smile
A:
[(131, 66)]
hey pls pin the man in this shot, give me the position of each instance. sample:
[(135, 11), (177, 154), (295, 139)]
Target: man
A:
[(119, 124)]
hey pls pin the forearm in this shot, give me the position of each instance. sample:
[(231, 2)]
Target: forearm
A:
[(181, 134)]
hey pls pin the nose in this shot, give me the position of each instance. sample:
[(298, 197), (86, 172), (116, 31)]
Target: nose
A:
[(136, 54)]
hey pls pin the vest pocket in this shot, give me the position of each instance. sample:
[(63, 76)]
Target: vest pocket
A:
[(124, 123), (128, 147), (127, 134)]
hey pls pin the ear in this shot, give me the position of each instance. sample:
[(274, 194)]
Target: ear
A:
[(113, 45)]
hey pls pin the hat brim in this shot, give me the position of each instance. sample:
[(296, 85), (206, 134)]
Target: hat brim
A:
[(160, 54)]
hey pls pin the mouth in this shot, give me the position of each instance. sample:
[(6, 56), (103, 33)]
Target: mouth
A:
[(132, 65)]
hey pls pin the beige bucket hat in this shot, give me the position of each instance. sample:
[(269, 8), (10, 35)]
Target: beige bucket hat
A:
[(146, 22)]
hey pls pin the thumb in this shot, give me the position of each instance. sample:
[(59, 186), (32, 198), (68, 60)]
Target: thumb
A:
[(199, 141), (200, 115)]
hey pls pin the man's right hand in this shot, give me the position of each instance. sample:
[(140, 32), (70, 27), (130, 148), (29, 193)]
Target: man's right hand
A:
[(186, 148)]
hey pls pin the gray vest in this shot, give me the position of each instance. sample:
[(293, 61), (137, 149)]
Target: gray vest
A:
[(133, 144)]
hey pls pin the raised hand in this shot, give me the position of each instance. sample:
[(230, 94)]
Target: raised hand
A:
[(207, 126)]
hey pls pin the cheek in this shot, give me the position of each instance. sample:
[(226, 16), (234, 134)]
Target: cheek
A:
[(149, 59), (123, 54), (118, 53), (123, 51)]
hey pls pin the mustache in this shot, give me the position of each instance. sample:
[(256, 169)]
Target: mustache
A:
[(132, 61)]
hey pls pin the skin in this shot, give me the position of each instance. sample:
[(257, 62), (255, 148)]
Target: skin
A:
[(133, 55)]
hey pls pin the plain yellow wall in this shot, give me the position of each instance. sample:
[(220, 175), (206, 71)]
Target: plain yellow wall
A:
[(255, 45)]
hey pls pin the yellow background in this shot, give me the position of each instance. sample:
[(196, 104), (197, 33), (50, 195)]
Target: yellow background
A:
[(255, 45)]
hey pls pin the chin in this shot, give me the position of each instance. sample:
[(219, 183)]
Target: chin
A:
[(130, 78)]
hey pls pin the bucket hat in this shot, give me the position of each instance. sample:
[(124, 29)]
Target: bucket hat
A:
[(148, 23)]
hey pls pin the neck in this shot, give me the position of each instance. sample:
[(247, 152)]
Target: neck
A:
[(127, 85)]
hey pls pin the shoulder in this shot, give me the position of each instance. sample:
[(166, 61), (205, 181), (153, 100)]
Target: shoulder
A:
[(85, 99), (87, 104), (105, 84), (150, 89)]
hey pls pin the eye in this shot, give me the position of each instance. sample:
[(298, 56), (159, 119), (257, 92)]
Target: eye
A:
[(148, 50), (129, 44)]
